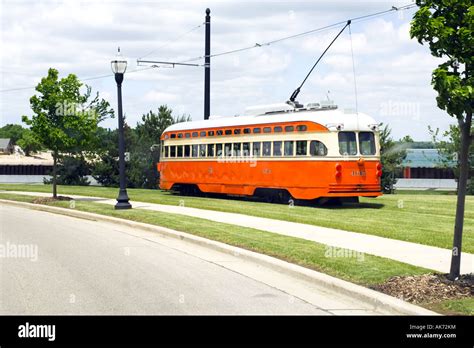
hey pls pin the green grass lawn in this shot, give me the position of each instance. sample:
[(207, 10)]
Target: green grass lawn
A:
[(414, 217), (463, 306)]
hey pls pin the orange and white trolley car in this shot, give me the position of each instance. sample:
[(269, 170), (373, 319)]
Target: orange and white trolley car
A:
[(277, 152)]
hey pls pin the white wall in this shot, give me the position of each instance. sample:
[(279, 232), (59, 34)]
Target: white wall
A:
[(424, 184), (33, 179)]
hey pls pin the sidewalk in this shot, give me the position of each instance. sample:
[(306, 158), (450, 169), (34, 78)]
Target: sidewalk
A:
[(434, 258)]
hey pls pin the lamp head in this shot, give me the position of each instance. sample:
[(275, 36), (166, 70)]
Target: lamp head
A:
[(119, 64)]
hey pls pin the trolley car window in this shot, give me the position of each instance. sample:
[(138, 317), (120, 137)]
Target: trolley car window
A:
[(195, 134), (180, 135), (301, 128), (166, 136), (288, 148), (236, 149), (210, 133), (202, 150), (210, 150), (219, 150), (246, 130), (245, 149), (256, 149), (317, 148), (219, 132), (301, 148), (267, 146), (277, 129), (347, 143), (277, 148), (257, 130), (173, 136), (202, 134), (267, 129), (166, 151), (180, 151), (187, 150), (289, 129), (188, 135), (195, 150), (366, 143), (228, 149), (172, 151), (228, 131), (237, 131)]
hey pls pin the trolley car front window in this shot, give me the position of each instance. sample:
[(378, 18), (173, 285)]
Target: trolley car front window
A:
[(347, 143), (367, 143)]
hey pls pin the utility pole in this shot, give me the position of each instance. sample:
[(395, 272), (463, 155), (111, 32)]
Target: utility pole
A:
[(207, 67)]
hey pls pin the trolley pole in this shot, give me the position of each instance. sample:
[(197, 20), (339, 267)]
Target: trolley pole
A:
[(207, 67)]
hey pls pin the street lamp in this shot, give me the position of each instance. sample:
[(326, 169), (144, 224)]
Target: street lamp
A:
[(119, 66)]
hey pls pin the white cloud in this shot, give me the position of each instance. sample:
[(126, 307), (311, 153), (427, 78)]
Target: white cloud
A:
[(82, 36), (160, 97)]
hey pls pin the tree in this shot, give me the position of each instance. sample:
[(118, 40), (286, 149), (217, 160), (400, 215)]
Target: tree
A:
[(145, 152), (72, 170), (105, 165), (449, 151), (12, 131), (447, 27), (392, 154), (64, 120), (143, 146), (29, 143)]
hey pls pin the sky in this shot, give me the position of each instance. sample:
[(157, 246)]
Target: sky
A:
[(392, 73)]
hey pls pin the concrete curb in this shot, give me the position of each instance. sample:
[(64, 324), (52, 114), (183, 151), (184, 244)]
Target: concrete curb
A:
[(371, 297)]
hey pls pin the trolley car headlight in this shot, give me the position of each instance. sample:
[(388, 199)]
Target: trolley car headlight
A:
[(338, 170), (379, 170)]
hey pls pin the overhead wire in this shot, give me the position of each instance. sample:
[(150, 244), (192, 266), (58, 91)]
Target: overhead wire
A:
[(312, 31)]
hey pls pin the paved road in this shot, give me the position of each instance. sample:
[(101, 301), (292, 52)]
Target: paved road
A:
[(89, 267), (430, 257)]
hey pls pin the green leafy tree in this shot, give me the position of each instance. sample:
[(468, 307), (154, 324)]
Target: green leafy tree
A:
[(65, 120), (105, 165), (392, 155), (29, 142), (447, 27), (72, 170), (145, 152), (12, 131), (142, 144)]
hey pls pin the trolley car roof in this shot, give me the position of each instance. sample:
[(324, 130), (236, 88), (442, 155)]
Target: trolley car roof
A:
[(327, 118)]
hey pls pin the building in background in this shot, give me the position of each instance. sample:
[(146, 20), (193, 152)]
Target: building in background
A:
[(17, 168), (423, 170), (6, 146)]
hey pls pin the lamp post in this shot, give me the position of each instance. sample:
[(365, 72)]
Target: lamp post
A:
[(119, 65)]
